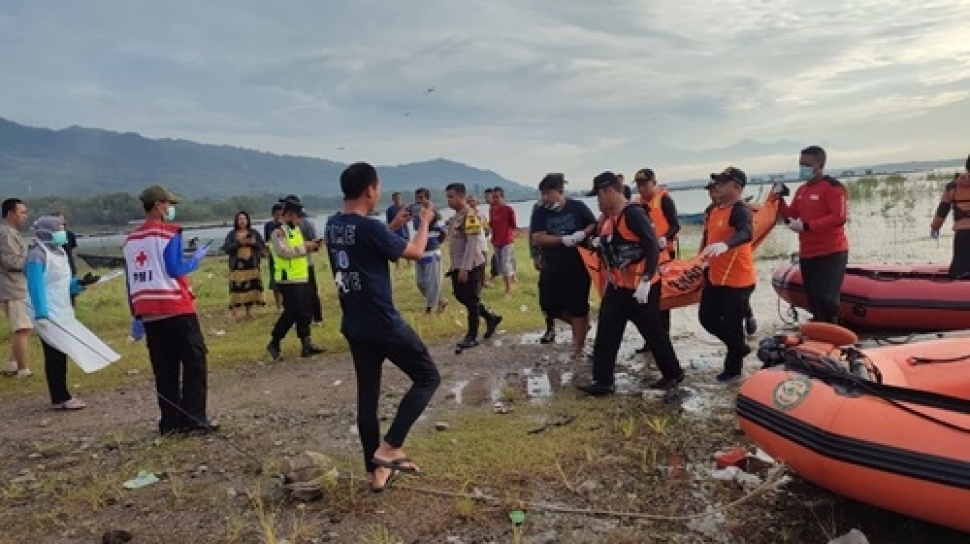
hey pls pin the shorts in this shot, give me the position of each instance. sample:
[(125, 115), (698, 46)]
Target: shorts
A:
[(506, 259), (17, 315), (564, 289)]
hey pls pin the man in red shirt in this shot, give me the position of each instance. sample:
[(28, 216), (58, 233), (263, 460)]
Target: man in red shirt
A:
[(818, 213), (501, 216)]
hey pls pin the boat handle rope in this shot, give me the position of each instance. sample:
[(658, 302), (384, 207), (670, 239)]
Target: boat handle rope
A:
[(897, 276), (895, 396), (928, 360)]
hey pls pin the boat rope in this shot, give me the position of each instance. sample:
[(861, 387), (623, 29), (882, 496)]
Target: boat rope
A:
[(791, 318), (772, 479), (894, 341), (885, 276), (828, 369)]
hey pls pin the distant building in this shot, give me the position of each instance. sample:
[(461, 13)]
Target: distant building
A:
[(848, 173)]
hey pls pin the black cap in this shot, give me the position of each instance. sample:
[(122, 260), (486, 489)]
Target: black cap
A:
[(293, 199), (602, 180), (731, 174), (554, 181), (291, 206)]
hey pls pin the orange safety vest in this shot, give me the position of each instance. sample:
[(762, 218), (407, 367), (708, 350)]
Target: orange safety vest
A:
[(661, 225), (623, 255), (734, 268)]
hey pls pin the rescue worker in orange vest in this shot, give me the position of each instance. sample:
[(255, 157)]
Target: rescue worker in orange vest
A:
[(663, 214), (628, 246), (750, 322), (729, 278), (956, 196)]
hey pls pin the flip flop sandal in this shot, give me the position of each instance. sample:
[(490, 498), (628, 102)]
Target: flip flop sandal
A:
[(72, 404), (387, 482), (401, 464)]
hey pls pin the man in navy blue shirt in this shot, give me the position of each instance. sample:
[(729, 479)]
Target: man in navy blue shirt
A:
[(360, 249)]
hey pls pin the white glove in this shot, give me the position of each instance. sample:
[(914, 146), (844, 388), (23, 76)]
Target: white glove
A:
[(713, 250), (796, 225), (570, 240), (662, 242), (642, 292)]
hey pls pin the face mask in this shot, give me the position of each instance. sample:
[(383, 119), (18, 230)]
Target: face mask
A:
[(555, 206), (806, 173), (170, 213), (59, 238)]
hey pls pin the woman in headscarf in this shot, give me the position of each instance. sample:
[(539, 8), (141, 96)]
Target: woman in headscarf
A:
[(244, 245), (50, 286)]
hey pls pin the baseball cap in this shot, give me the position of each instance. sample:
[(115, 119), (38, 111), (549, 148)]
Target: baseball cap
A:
[(291, 206), (731, 174), (157, 193), (604, 179)]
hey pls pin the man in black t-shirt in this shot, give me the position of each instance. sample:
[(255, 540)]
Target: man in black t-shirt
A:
[(360, 249), (556, 227)]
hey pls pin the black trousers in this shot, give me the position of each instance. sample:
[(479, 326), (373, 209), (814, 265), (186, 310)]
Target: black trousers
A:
[(407, 352), (55, 368), (655, 293), (316, 307), (822, 277), (722, 311), (960, 263), (618, 307), (468, 293), (297, 309), (176, 349)]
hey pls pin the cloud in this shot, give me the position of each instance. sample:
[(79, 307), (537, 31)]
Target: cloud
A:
[(520, 86)]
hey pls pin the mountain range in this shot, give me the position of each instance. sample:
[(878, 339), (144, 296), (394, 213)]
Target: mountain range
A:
[(79, 161)]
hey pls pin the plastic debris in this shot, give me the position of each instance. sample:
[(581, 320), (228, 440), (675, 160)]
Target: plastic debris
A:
[(141, 480)]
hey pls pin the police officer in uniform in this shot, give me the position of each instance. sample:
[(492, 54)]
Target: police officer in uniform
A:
[(291, 270)]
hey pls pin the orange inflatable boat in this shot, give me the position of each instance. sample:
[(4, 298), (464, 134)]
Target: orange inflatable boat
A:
[(900, 297), (885, 425), (683, 278)]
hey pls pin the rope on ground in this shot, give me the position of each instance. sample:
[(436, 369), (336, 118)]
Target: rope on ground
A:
[(771, 480)]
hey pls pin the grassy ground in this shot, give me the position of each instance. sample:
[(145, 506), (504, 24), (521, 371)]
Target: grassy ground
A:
[(104, 309)]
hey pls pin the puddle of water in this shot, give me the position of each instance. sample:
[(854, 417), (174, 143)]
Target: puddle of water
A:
[(537, 384), (457, 389)]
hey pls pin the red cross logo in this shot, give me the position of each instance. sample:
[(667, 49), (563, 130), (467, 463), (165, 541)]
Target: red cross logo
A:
[(141, 258)]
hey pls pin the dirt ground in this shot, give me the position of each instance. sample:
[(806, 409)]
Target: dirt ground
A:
[(63, 470)]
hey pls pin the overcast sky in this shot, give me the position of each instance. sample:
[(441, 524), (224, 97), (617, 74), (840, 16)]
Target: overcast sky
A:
[(522, 87)]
